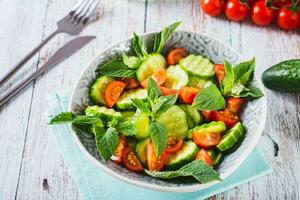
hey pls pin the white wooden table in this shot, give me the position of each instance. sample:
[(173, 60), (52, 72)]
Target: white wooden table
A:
[(28, 155)]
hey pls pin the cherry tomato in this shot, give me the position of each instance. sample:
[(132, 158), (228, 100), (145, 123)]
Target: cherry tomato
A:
[(175, 55), (207, 114), (220, 72), (261, 14), (234, 104), (117, 157), (225, 116), (159, 77), (168, 91), (212, 7), (236, 11), (174, 145), (130, 160), (288, 19), (113, 92), (206, 139), (204, 156), (188, 94), (131, 83), (155, 163)]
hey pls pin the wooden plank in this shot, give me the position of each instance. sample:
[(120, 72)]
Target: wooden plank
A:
[(116, 20)]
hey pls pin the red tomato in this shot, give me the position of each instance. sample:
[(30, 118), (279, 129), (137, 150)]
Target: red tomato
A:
[(220, 72), (168, 91), (212, 7), (261, 14), (159, 76), (155, 163), (288, 19), (204, 156), (206, 139), (234, 104), (188, 94), (130, 160), (131, 83), (174, 145), (236, 11), (175, 55), (225, 116), (207, 114), (117, 157), (113, 92)]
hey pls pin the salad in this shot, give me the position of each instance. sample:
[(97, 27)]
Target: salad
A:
[(168, 115)]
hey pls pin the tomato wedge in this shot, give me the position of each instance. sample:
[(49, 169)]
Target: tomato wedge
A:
[(206, 139), (155, 163), (174, 145), (229, 118), (168, 91), (131, 83), (159, 76), (117, 157), (207, 114), (113, 92), (220, 72), (188, 94), (175, 55), (234, 104), (204, 156), (130, 160)]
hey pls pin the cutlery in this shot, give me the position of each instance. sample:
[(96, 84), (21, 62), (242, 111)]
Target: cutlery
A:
[(60, 55), (73, 23)]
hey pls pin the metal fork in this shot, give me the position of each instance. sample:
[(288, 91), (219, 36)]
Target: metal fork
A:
[(73, 23)]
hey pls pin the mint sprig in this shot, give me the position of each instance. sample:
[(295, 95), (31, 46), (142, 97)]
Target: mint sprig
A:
[(107, 143), (159, 137), (116, 68), (68, 117)]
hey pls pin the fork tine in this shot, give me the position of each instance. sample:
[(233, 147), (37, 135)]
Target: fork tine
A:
[(85, 14), (80, 9), (77, 5), (92, 8)]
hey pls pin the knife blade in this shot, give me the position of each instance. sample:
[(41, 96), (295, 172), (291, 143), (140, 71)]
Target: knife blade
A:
[(61, 54)]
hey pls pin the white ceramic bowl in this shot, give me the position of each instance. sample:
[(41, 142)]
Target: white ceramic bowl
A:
[(253, 116)]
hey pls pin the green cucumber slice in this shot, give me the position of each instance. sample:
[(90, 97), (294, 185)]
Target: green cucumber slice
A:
[(193, 113), (212, 127), (151, 64), (175, 121), (125, 102), (97, 89), (231, 137), (198, 65), (102, 112), (190, 122), (141, 123), (141, 150), (200, 83), (176, 77), (182, 157)]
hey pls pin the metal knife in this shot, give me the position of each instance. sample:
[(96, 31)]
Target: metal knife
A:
[(61, 54)]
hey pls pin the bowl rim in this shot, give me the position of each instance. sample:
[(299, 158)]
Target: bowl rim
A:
[(177, 189)]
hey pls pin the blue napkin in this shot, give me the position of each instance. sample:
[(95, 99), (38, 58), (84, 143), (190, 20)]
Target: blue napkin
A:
[(92, 183)]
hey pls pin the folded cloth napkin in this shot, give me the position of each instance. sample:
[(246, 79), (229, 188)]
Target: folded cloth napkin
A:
[(93, 183)]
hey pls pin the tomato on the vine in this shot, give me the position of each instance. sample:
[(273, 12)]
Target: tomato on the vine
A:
[(236, 10), (288, 17), (212, 7), (261, 14)]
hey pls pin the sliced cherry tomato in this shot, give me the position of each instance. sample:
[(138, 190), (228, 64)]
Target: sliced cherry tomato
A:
[(261, 14), (206, 139), (234, 104), (117, 157), (155, 163), (175, 55), (130, 160), (174, 145), (168, 91), (188, 94), (229, 118), (208, 114), (159, 76), (113, 92), (236, 11), (288, 19), (204, 156), (131, 83), (212, 7), (220, 72)]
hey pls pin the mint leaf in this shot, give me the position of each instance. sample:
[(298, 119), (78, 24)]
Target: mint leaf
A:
[(237, 89), (98, 130), (228, 81), (115, 68), (140, 104), (131, 61), (139, 46), (163, 103), (159, 137), (126, 128), (62, 118), (243, 72), (153, 90), (251, 92), (161, 37), (209, 98), (197, 169), (107, 143)]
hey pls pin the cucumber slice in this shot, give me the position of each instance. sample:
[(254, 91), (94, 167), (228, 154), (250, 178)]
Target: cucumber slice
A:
[(193, 113), (125, 102), (182, 157), (102, 112), (175, 121), (190, 122), (141, 123), (212, 127), (198, 65), (141, 151), (151, 64), (97, 89), (128, 115), (216, 156), (200, 83), (231, 137), (176, 77)]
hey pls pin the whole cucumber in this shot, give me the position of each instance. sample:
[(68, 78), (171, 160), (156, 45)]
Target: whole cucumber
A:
[(284, 76)]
